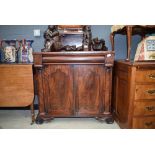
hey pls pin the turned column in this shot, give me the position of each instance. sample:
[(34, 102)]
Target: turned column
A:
[(129, 34), (108, 85), (112, 40), (40, 91)]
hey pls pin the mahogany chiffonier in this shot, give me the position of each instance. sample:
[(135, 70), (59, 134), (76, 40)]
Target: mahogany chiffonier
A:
[(74, 84), (134, 94), (16, 86)]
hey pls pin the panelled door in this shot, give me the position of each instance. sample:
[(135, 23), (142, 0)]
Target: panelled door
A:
[(58, 90), (89, 89), (74, 90)]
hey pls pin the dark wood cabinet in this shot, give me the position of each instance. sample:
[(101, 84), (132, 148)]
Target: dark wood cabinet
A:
[(74, 84), (134, 94)]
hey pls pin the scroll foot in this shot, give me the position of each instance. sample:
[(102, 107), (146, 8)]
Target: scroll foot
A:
[(39, 120), (107, 119)]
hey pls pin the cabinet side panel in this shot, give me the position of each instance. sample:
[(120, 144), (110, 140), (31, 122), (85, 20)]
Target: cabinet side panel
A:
[(121, 95)]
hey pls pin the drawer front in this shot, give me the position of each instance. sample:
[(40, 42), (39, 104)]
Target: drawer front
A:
[(145, 76), (145, 92), (144, 108), (144, 123)]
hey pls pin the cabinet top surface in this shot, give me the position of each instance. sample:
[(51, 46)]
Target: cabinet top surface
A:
[(73, 52), (137, 63), (17, 64)]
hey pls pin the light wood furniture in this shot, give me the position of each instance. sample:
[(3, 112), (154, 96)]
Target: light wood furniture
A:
[(134, 94), (16, 86), (74, 84), (130, 30)]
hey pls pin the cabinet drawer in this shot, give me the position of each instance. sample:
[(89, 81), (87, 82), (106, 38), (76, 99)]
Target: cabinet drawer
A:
[(145, 76), (144, 123), (144, 108), (145, 92)]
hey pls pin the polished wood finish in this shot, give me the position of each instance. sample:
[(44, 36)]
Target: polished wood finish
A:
[(89, 89), (144, 122), (145, 76), (58, 88), (130, 30), (144, 108), (16, 86), (134, 94), (74, 84)]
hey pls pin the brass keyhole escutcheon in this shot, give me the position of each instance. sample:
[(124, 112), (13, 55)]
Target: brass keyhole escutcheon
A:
[(151, 92), (150, 108), (151, 76)]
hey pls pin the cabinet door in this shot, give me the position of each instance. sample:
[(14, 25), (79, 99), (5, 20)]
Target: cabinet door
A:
[(58, 89), (89, 89)]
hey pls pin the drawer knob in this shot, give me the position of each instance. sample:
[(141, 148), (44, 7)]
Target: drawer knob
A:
[(151, 92), (151, 108), (149, 124), (151, 76)]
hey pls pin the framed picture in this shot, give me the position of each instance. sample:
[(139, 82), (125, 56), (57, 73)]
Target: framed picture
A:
[(150, 45)]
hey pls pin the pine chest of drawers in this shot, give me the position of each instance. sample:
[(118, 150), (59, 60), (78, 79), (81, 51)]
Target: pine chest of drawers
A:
[(134, 94)]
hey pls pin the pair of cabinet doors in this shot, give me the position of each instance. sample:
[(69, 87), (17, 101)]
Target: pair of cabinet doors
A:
[(74, 90)]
